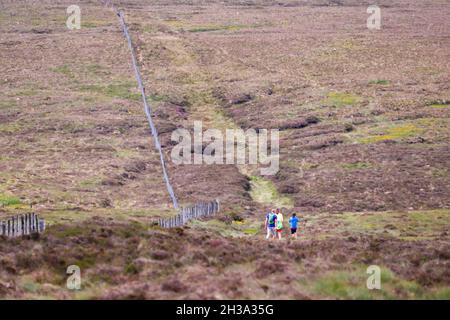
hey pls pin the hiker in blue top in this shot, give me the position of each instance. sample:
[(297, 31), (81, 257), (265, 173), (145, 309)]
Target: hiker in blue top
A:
[(270, 223), (293, 221)]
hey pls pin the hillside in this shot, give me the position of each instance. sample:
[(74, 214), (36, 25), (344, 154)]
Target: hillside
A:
[(364, 148)]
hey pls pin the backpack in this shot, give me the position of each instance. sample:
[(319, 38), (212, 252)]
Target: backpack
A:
[(272, 218), (279, 224)]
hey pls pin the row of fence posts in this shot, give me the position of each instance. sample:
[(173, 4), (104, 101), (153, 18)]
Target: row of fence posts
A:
[(198, 210), (21, 225)]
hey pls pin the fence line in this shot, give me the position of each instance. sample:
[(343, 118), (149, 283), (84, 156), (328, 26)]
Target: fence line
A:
[(147, 108), (20, 225), (198, 210)]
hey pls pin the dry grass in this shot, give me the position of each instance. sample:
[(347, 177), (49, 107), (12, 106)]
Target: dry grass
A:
[(364, 149)]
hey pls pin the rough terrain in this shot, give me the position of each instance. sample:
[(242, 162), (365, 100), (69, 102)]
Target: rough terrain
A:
[(364, 141)]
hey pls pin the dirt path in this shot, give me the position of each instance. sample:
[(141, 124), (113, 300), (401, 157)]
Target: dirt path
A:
[(88, 156), (198, 85)]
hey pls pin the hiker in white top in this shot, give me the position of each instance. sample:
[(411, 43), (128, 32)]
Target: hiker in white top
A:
[(279, 223)]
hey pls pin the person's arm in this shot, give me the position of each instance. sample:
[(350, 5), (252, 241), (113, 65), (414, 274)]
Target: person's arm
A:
[(266, 222)]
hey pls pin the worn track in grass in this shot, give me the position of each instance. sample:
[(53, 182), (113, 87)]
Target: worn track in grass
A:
[(370, 176)]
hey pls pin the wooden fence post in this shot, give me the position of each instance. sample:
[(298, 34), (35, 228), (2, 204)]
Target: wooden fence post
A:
[(186, 214), (36, 222), (32, 223), (25, 225), (22, 224), (28, 223), (19, 218), (17, 226), (13, 227)]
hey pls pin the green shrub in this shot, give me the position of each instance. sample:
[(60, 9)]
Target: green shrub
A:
[(340, 99), (379, 82), (9, 201)]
